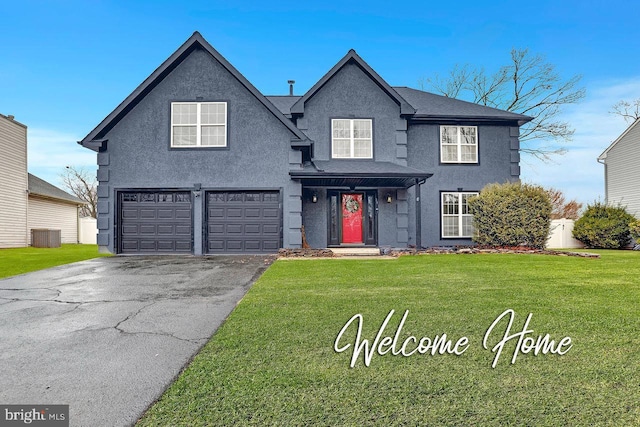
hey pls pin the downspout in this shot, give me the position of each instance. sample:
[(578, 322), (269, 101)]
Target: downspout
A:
[(606, 186)]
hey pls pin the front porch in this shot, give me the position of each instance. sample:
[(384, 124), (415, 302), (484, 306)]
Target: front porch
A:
[(361, 204)]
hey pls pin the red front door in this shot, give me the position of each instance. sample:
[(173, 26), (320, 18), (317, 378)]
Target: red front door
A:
[(351, 218)]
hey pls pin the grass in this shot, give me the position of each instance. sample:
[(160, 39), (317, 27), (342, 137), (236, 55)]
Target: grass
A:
[(273, 362), (23, 260)]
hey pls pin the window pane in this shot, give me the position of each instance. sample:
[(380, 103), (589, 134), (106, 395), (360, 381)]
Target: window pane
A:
[(213, 136), (467, 226), (213, 114), (450, 226), (468, 135), (450, 204), (341, 129), (184, 114), (184, 135), (362, 148), (449, 153), (341, 148), (362, 129), (449, 134), (468, 153)]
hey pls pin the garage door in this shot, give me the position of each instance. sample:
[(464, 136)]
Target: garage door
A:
[(243, 221), (155, 222)]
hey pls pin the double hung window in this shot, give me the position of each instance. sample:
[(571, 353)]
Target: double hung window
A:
[(198, 124)]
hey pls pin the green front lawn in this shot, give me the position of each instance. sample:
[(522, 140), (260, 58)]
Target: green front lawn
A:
[(23, 260), (273, 361)]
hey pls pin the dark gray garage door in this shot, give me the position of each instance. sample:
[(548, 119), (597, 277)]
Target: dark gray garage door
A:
[(155, 221), (243, 221)]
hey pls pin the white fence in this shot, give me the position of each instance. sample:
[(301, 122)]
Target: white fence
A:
[(88, 231), (560, 235)]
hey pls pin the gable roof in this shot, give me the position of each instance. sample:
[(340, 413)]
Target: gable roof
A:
[(283, 102), (40, 187), (195, 41), (352, 56), (431, 106), (603, 156)]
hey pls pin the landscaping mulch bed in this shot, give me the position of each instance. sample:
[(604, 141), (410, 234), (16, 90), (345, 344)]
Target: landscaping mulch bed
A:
[(327, 253)]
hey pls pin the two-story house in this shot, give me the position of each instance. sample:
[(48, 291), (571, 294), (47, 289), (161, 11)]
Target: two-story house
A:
[(197, 160)]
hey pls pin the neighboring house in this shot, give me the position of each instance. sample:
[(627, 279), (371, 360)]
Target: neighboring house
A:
[(27, 201), (53, 208), (13, 183), (197, 160), (621, 160)]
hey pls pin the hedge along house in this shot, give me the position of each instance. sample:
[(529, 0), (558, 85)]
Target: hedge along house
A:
[(197, 160)]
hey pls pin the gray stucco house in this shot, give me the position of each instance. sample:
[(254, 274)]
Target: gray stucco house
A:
[(197, 160)]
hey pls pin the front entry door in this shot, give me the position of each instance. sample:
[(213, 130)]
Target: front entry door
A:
[(351, 218)]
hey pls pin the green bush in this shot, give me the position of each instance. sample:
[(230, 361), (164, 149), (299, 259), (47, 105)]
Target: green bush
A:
[(511, 214), (634, 230), (605, 227)]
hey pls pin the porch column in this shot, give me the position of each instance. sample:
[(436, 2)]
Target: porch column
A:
[(418, 217)]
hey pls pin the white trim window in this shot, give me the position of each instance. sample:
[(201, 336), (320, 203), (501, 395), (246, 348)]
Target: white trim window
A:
[(456, 219), (198, 124), (351, 139), (459, 144)]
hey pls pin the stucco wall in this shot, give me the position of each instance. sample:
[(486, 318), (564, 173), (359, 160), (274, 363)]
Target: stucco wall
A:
[(498, 162), (139, 155), (351, 94)]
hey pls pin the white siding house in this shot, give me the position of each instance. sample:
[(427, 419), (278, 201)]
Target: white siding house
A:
[(622, 170), (26, 201), (50, 207), (13, 183)]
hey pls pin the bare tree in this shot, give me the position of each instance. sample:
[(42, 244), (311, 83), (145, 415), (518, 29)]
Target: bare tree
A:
[(629, 111), (82, 184), (527, 85), (560, 208)]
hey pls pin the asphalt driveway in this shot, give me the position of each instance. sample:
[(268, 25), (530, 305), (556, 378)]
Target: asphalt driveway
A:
[(107, 336)]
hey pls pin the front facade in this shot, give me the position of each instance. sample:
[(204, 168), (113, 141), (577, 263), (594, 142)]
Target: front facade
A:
[(621, 160), (197, 160)]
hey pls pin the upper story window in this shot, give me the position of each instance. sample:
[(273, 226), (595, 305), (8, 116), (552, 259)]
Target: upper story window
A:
[(458, 144), (198, 124), (351, 139), (456, 219)]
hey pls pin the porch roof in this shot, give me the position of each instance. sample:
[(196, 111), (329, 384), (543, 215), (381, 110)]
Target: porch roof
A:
[(358, 173)]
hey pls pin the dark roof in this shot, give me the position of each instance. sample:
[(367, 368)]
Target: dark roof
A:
[(42, 188), (194, 42), (283, 103), (358, 173), (352, 56), (430, 105)]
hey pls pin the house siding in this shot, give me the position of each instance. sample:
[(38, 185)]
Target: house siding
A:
[(498, 163), (138, 155), (48, 213), (13, 184), (621, 180)]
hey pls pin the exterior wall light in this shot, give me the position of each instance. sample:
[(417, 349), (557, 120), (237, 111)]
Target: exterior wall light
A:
[(314, 198), (389, 199)]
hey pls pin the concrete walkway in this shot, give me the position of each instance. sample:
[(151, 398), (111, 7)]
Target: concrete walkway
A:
[(107, 336)]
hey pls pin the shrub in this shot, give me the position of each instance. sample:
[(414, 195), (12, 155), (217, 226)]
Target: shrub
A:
[(511, 214), (634, 230), (605, 227)]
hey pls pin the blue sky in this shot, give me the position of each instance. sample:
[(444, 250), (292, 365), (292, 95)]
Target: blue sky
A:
[(66, 65)]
